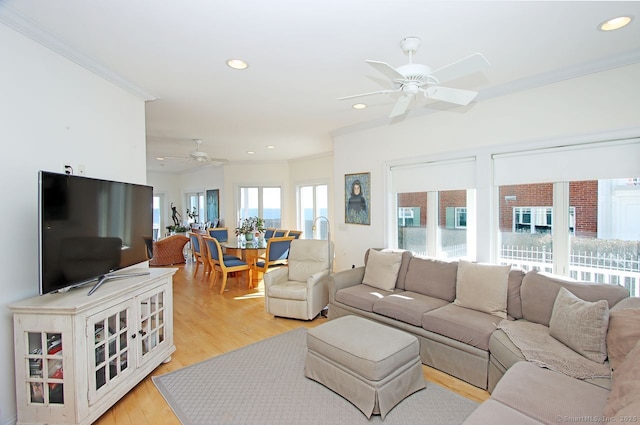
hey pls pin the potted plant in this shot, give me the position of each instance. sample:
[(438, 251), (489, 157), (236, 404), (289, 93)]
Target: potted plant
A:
[(250, 227)]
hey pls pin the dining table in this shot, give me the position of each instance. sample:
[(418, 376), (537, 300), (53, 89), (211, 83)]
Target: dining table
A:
[(247, 252)]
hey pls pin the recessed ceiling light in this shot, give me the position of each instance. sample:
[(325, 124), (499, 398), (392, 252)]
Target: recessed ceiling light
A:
[(237, 64), (160, 158), (359, 106), (615, 23), (271, 147), (250, 152)]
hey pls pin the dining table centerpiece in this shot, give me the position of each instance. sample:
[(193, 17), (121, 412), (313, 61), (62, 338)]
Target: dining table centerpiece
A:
[(250, 227)]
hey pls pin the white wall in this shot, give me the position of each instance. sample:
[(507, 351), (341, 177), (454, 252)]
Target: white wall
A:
[(601, 103), (51, 111)]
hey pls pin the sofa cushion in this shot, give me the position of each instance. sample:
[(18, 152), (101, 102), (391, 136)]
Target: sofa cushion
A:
[(407, 306), (469, 326), (361, 296), (548, 396), (382, 269), (514, 304), (580, 325), (624, 330), (539, 291), (435, 278), (493, 412), (625, 388), (482, 287), (404, 265)]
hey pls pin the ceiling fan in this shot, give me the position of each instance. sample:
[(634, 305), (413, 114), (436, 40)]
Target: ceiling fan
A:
[(412, 79), (199, 156)]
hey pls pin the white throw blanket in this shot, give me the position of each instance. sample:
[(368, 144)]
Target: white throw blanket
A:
[(540, 348)]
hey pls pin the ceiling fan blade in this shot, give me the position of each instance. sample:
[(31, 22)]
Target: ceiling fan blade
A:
[(470, 64), (401, 106), (387, 70), (369, 94), (447, 94)]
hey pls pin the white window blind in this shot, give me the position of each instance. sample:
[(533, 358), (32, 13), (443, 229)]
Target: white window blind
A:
[(594, 161), (434, 176)]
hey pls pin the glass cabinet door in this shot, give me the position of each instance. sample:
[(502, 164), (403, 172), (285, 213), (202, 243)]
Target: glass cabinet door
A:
[(110, 342), (45, 376), (152, 307)]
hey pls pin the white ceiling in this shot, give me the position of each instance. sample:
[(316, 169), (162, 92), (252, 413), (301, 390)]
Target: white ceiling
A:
[(303, 55)]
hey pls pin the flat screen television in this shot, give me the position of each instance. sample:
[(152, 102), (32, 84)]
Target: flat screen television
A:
[(90, 228)]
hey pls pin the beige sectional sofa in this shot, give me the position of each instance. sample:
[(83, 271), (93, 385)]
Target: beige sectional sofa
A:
[(461, 341)]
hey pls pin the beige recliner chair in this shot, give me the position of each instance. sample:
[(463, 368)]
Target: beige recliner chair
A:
[(300, 290)]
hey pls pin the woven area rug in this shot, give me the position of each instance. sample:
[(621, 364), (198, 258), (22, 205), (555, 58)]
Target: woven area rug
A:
[(264, 384)]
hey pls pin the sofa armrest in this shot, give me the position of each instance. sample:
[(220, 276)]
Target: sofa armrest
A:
[(316, 278), (344, 279)]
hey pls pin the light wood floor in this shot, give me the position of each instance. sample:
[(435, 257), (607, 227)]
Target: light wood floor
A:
[(207, 324)]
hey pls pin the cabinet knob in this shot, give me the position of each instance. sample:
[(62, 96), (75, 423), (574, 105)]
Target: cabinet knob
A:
[(133, 336), (142, 333)]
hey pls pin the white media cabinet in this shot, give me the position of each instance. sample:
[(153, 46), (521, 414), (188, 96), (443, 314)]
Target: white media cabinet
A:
[(77, 355)]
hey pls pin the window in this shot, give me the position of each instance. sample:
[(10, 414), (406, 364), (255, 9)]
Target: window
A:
[(195, 202), (313, 201), (442, 203), (264, 202), (438, 227), (158, 206), (604, 247)]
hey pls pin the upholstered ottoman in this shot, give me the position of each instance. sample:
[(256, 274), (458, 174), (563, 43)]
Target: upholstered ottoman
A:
[(373, 366)]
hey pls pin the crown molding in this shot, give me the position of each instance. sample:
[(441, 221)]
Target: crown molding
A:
[(32, 30)]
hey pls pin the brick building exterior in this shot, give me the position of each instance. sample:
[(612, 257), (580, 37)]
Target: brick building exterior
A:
[(583, 197)]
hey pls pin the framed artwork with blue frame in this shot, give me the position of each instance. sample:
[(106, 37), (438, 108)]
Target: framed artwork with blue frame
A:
[(357, 198)]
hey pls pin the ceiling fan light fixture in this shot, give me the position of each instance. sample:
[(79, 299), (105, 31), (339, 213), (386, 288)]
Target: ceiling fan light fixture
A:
[(615, 23), (238, 64)]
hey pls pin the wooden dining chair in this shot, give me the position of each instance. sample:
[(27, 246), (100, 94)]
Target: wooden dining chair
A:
[(220, 233), (275, 256), (198, 249), (280, 233), (224, 263), (268, 233), (295, 233)]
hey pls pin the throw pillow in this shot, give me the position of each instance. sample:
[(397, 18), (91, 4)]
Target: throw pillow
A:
[(623, 333), (625, 388), (580, 325), (482, 287), (382, 269)]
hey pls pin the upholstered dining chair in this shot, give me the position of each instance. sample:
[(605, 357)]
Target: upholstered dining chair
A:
[(199, 251), (295, 233), (220, 233), (280, 233), (268, 233), (275, 255), (225, 263), (300, 290)]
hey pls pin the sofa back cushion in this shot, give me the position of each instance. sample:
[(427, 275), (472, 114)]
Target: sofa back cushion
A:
[(514, 302), (483, 287), (435, 278), (404, 264), (539, 291)]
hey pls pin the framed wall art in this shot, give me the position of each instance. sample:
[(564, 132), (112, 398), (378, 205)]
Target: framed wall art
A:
[(213, 206), (357, 198)]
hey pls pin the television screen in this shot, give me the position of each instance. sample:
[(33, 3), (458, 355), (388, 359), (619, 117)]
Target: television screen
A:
[(89, 228)]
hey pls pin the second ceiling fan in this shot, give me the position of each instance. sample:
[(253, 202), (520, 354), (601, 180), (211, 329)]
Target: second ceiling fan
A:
[(412, 79)]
